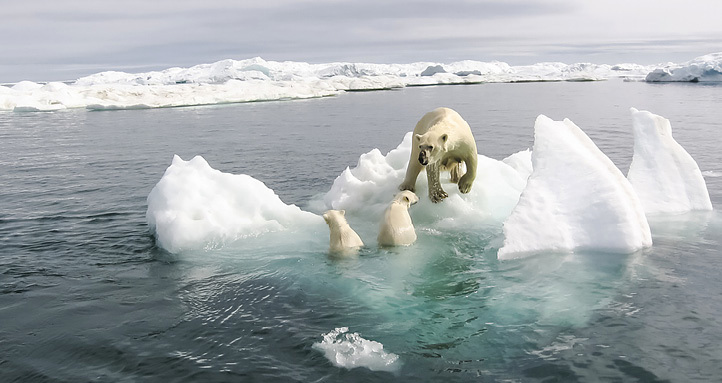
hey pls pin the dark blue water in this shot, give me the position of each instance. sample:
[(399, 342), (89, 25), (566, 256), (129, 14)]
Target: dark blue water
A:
[(85, 294)]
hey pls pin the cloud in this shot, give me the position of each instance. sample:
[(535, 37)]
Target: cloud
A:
[(73, 37)]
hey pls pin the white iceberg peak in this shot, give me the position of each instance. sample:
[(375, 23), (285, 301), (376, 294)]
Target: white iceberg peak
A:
[(575, 198), (666, 178)]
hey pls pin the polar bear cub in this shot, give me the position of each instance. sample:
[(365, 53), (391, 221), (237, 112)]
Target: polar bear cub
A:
[(342, 237), (396, 227), (442, 141)]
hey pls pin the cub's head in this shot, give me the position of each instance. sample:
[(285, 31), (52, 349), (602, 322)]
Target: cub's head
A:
[(406, 198), (335, 217), (432, 146)]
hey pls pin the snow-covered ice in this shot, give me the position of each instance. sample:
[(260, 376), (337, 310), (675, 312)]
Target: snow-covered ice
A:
[(665, 177), (255, 79), (194, 206), (575, 198), (707, 68), (367, 189)]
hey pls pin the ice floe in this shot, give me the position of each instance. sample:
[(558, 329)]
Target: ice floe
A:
[(563, 195)]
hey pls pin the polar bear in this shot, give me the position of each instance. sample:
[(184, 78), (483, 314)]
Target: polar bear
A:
[(442, 141), (342, 238), (396, 227)]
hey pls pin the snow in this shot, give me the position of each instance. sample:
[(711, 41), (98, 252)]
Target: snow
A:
[(665, 177), (255, 79), (707, 68), (575, 198), (194, 206), (350, 350)]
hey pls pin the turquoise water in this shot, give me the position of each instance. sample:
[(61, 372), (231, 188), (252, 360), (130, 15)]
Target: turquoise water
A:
[(85, 295)]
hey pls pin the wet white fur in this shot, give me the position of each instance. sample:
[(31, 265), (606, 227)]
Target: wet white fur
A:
[(396, 228), (342, 237)]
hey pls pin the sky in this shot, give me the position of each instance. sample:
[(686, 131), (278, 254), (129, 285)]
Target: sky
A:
[(51, 40)]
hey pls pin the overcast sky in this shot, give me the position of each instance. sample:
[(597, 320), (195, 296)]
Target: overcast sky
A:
[(65, 39)]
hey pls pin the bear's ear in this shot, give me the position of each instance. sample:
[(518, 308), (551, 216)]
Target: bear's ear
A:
[(417, 137), (443, 139), (325, 217), (343, 212)]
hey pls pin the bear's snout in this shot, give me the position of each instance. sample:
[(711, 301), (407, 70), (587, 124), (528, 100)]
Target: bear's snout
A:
[(423, 159)]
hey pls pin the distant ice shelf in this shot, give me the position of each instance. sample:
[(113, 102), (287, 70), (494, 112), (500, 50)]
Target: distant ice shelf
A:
[(255, 79)]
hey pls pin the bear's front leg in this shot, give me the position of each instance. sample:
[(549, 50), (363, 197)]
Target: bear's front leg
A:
[(467, 179), (436, 192), (412, 172)]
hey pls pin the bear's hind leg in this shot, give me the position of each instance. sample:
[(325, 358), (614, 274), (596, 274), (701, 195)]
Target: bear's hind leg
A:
[(455, 171), (436, 192)]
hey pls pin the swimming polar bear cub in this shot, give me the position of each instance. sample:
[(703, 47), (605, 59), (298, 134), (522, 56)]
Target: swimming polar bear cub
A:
[(442, 140), (396, 228), (343, 238)]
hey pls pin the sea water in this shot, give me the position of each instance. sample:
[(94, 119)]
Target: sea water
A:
[(87, 295)]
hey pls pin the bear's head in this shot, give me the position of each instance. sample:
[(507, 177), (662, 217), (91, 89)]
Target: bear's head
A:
[(335, 217), (432, 146), (406, 198)]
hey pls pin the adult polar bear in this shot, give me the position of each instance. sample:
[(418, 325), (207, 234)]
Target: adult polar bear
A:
[(442, 140)]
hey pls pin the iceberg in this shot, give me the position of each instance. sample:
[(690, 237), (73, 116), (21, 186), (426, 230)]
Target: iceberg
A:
[(574, 199), (255, 79), (707, 68), (195, 206), (563, 195), (665, 177)]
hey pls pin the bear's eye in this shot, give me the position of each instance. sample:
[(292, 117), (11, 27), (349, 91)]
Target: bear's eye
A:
[(431, 148)]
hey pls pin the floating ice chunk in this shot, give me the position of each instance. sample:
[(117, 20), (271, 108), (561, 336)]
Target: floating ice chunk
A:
[(575, 198), (350, 350), (707, 68), (367, 189), (194, 206), (665, 177)]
